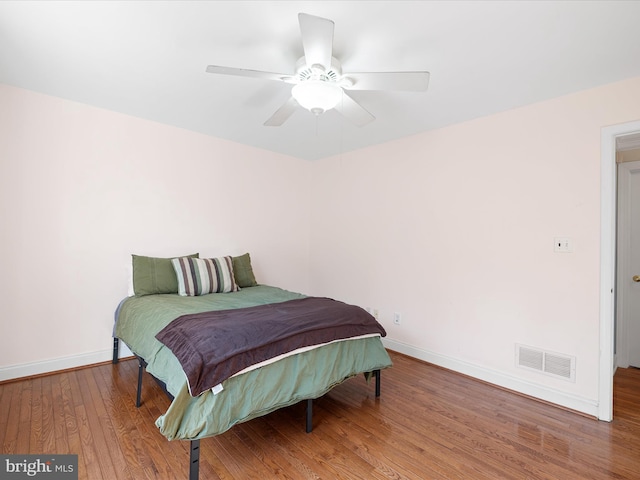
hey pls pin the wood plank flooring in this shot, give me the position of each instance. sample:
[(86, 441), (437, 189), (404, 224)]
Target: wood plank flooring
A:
[(429, 423)]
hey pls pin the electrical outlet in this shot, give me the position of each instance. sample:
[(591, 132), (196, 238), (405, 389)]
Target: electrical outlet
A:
[(397, 318)]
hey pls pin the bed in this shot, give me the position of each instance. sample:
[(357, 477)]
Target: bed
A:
[(212, 395)]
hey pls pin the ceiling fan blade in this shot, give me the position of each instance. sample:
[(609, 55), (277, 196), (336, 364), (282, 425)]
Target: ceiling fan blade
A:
[(243, 72), (353, 111), (282, 113), (317, 39), (409, 81)]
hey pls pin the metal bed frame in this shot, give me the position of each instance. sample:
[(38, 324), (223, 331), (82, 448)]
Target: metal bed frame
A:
[(194, 448)]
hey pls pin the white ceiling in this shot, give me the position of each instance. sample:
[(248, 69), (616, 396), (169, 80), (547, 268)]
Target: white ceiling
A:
[(148, 59)]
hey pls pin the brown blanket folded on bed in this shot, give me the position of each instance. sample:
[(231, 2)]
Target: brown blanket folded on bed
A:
[(213, 346)]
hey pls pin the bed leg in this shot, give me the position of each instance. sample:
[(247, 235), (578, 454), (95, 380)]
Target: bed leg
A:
[(309, 415), (116, 350), (376, 373), (139, 394), (194, 460)]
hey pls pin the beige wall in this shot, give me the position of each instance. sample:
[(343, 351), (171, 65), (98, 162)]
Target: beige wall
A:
[(81, 189), (454, 228)]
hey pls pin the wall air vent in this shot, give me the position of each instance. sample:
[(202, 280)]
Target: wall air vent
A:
[(549, 363)]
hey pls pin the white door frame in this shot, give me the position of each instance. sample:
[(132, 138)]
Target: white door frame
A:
[(608, 193)]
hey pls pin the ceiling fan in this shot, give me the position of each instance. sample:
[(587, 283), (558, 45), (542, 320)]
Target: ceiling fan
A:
[(320, 85)]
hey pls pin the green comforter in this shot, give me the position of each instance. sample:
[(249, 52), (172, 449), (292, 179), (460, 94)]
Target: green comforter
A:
[(258, 392)]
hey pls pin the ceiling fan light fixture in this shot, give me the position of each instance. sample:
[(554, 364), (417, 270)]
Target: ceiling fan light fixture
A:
[(317, 96)]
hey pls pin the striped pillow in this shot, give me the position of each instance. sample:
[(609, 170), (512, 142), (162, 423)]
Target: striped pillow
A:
[(199, 276)]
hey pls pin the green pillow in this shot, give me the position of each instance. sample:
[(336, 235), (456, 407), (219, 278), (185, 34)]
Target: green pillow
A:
[(152, 275), (243, 272)]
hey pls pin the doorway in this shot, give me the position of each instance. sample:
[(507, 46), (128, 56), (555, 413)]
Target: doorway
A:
[(611, 138), (627, 350)]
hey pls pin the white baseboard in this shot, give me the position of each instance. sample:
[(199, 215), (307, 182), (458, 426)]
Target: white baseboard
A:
[(567, 400), (57, 364), (573, 402)]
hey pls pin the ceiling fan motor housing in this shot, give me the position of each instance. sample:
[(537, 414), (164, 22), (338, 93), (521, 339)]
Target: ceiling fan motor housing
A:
[(306, 72)]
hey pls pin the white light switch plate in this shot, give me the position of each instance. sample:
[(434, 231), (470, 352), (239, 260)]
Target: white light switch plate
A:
[(562, 245)]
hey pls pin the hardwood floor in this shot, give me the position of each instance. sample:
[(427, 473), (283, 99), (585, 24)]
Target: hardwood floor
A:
[(429, 423)]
